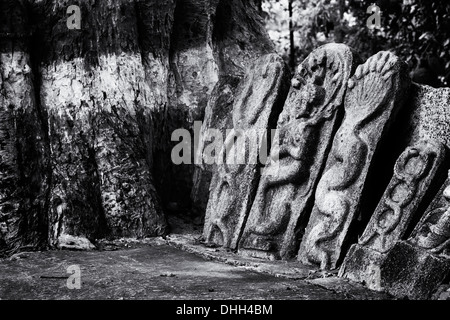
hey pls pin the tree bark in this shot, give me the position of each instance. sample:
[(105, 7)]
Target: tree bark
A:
[(24, 149), (86, 115)]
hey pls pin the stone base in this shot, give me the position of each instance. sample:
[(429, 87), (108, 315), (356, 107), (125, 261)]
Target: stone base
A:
[(257, 246), (68, 242), (215, 237), (412, 272), (248, 253), (363, 265)]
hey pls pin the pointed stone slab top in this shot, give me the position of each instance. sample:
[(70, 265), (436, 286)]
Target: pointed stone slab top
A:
[(258, 102), (306, 128), (375, 94)]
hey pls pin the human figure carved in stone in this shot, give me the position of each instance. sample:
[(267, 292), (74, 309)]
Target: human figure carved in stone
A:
[(258, 98), (433, 231), (227, 174), (366, 100), (288, 164), (296, 134), (288, 179), (296, 138), (412, 166)]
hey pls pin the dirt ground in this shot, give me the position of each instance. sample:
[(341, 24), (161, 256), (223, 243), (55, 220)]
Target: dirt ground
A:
[(175, 268)]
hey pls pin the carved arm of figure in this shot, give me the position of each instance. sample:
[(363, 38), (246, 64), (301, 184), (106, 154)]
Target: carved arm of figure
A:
[(288, 160), (296, 130)]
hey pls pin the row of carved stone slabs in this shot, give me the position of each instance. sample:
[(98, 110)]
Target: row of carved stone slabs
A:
[(380, 84)]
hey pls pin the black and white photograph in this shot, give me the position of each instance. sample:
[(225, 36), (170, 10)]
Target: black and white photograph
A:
[(224, 155)]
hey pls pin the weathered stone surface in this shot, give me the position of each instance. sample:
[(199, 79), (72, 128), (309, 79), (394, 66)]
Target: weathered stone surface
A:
[(413, 272), (194, 73), (433, 230), (416, 267), (239, 38), (417, 174), (426, 115), (258, 103), (363, 264), (193, 64), (218, 115), (413, 181), (233, 62), (404, 271), (374, 97), (306, 127)]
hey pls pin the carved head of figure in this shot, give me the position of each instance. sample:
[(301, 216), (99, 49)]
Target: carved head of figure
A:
[(318, 85), (317, 90), (311, 95), (294, 125)]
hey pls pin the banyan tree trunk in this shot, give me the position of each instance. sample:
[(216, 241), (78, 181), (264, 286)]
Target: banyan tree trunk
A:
[(86, 115)]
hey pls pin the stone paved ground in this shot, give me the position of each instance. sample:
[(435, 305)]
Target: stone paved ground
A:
[(159, 269)]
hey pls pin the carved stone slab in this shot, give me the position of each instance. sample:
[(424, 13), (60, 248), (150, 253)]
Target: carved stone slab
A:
[(414, 172), (218, 115), (258, 102), (306, 127), (433, 230), (415, 175), (375, 94), (413, 272), (416, 267)]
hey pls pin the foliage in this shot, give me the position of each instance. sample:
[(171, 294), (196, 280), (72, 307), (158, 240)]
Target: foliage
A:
[(416, 30)]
